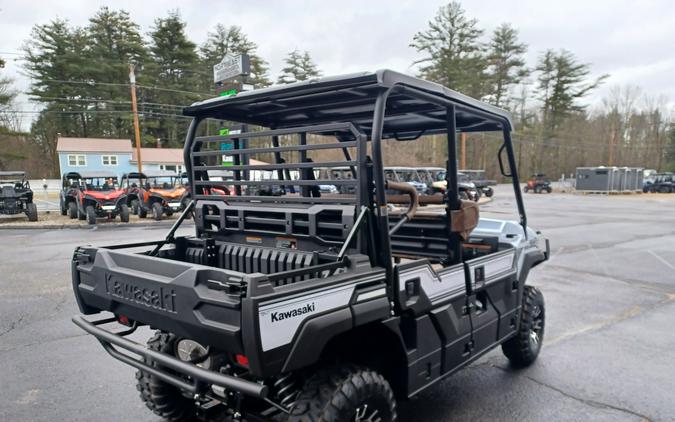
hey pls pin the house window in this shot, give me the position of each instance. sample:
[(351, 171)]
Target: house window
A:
[(109, 160), (77, 160), (171, 167)]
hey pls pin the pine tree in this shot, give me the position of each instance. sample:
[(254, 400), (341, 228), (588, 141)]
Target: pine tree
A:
[(114, 42), (299, 67), (8, 120), (562, 80), (171, 68), (454, 55), (232, 40), (506, 64)]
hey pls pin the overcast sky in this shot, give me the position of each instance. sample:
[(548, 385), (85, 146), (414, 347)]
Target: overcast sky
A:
[(632, 41)]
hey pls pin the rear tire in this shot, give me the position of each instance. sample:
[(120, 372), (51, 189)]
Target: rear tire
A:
[(142, 212), (489, 192), (344, 394), (164, 399), (72, 210), (124, 213), (526, 189), (157, 211), (31, 211), (91, 214), (549, 189), (523, 349)]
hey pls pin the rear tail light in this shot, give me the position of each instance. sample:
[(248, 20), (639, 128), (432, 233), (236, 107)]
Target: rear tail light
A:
[(124, 320), (241, 360)]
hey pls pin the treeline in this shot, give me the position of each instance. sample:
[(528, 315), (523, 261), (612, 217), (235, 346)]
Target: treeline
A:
[(80, 76)]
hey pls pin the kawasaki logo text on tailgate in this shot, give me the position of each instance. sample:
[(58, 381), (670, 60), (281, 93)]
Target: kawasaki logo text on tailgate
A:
[(153, 297), (278, 316)]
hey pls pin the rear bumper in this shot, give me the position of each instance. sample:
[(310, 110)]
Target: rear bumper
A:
[(201, 378)]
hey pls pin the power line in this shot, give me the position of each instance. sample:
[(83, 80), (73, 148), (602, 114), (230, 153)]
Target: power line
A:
[(93, 83), (96, 100)]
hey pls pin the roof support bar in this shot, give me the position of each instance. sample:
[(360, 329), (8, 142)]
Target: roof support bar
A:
[(453, 202), (514, 179)]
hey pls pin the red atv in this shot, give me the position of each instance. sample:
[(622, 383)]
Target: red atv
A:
[(100, 196), (538, 183)]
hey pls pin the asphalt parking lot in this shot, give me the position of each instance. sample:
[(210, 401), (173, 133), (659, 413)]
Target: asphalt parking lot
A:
[(608, 354)]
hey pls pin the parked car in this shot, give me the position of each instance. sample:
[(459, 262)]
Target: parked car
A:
[(662, 183), (16, 196), (158, 193), (538, 183), (99, 195)]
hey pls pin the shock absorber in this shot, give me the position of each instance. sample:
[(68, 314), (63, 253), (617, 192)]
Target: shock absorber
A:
[(286, 391)]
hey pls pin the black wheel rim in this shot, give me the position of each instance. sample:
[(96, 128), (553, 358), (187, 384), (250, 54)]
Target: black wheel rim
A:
[(537, 327), (368, 412)]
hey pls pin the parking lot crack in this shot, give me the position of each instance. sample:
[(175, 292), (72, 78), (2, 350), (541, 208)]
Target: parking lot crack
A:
[(12, 326), (589, 402)]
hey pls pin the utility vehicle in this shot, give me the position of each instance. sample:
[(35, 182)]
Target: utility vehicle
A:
[(483, 184), (158, 193), (538, 183), (100, 196), (466, 188), (406, 175), (307, 306), (70, 191), (16, 196)]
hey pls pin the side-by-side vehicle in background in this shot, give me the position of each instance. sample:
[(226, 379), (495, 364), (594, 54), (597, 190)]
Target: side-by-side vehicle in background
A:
[(159, 193), (16, 196), (281, 304), (89, 195)]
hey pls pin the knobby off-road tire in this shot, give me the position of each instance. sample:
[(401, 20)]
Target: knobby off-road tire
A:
[(142, 212), (134, 206), (91, 214), (63, 207), (157, 211), (124, 213), (344, 394), (72, 210), (31, 211), (523, 349), (164, 399)]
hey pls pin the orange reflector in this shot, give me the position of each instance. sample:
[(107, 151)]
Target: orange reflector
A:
[(241, 360)]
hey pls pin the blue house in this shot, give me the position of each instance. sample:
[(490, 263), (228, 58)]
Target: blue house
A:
[(116, 155)]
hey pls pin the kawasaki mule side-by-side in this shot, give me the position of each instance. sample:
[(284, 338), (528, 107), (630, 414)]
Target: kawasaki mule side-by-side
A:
[(308, 305)]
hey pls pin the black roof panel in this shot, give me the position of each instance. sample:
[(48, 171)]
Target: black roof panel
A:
[(414, 107)]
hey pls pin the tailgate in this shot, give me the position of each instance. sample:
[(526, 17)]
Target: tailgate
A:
[(195, 301)]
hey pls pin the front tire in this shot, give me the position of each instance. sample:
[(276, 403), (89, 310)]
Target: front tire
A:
[(164, 399), (31, 211), (91, 214), (344, 394), (72, 210), (157, 211), (134, 206), (124, 213), (523, 349)]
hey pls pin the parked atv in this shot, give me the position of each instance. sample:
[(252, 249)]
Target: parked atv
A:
[(100, 196), (483, 185), (68, 197), (16, 195), (158, 193), (538, 183)]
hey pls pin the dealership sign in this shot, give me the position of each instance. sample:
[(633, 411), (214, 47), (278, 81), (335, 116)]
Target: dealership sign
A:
[(231, 67)]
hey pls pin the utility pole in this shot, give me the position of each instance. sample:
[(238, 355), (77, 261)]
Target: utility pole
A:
[(134, 108), (462, 148), (610, 159)]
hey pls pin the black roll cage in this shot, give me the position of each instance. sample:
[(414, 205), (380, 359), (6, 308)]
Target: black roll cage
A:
[(386, 86)]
